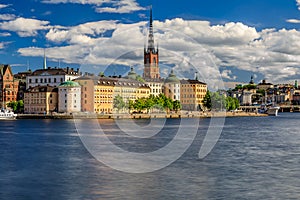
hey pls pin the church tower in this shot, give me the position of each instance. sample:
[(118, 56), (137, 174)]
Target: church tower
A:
[(151, 68)]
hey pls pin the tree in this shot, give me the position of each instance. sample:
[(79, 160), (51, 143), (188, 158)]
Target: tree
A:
[(139, 104), (207, 100), (119, 103), (176, 105), (13, 105), (130, 105), (149, 103)]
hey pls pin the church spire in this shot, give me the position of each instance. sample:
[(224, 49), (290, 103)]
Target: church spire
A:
[(45, 60), (151, 37)]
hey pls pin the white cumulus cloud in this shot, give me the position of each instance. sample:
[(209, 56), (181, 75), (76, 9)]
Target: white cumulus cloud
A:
[(185, 45), (25, 27), (6, 17), (3, 6), (107, 6)]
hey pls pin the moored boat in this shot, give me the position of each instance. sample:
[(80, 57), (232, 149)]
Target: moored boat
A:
[(7, 115), (273, 110)]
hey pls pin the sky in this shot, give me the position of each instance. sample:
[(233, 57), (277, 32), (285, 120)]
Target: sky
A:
[(221, 41)]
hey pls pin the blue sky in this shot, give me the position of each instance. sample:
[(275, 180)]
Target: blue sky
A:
[(234, 39)]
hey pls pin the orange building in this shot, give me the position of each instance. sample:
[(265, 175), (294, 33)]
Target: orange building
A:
[(8, 86)]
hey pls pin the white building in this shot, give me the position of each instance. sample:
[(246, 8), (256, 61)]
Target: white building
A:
[(69, 97), (156, 86), (51, 77), (172, 87)]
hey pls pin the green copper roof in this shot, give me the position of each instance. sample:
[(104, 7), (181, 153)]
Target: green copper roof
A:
[(172, 78), (69, 84), (132, 74)]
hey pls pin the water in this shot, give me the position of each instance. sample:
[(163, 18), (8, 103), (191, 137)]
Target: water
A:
[(255, 158)]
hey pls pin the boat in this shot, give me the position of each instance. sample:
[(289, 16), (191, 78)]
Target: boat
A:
[(7, 115), (273, 110)]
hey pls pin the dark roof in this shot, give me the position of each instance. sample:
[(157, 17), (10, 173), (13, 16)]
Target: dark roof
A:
[(189, 81), (121, 82), (42, 89), (56, 71)]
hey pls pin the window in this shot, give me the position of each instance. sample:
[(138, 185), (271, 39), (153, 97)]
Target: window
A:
[(54, 80), (30, 80), (61, 80), (49, 80), (41, 80), (36, 80)]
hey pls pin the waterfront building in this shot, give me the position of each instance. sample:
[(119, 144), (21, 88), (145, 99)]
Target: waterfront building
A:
[(192, 93), (87, 92), (69, 97), (151, 55), (40, 100), (51, 76), (130, 89), (8, 85), (104, 95), (171, 87), (295, 97), (156, 86)]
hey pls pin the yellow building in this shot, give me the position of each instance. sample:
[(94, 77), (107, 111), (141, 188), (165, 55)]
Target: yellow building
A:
[(103, 95), (192, 93), (107, 88), (41, 100)]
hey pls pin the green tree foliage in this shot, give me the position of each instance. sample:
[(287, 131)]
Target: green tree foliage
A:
[(17, 106), (119, 103), (207, 100), (176, 105), (215, 101), (159, 102)]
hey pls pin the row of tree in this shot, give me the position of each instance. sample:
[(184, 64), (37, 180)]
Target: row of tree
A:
[(217, 101), (160, 102)]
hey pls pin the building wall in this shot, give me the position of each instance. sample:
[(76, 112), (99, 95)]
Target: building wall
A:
[(155, 87), (50, 80), (87, 94), (37, 102), (103, 98), (192, 95), (69, 99), (8, 86), (172, 91)]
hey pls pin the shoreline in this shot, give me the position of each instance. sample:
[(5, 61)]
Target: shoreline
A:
[(140, 116)]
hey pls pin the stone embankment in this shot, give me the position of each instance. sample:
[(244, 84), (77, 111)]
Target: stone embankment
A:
[(140, 116)]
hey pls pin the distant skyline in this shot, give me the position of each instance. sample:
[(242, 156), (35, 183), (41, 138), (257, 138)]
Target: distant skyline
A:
[(236, 38)]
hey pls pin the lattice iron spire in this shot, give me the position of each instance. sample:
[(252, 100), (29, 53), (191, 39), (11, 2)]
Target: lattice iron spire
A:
[(151, 37)]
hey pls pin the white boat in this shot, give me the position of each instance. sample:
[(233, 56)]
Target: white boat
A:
[(7, 115), (273, 110)]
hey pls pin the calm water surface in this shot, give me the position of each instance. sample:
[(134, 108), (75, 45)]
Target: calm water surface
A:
[(255, 158)]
